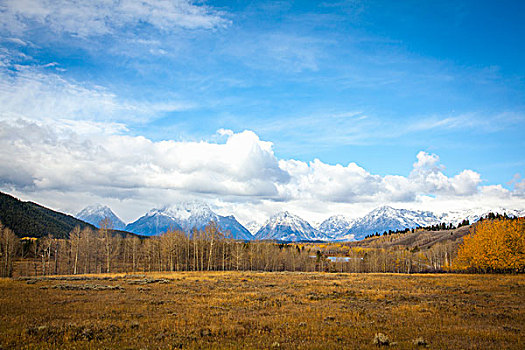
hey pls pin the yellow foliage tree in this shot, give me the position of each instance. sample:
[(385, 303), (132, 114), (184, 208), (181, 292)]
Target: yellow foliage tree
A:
[(494, 246)]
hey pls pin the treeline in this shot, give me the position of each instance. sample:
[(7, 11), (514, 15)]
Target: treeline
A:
[(435, 227), (398, 259), (389, 232), (493, 246), (88, 251)]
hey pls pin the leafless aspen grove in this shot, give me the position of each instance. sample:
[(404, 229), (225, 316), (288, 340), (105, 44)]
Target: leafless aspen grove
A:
[(87, 251)]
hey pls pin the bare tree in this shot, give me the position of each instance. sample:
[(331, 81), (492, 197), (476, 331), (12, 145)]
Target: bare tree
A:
[(212, 234), (8, 245), (45, 247), (105, 237)]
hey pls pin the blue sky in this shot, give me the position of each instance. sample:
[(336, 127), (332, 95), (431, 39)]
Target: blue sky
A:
[(367, 82)]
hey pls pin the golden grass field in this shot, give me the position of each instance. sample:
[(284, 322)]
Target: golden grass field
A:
[(263, 310)]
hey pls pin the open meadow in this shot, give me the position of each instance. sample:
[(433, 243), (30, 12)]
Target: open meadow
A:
[(263, 310)]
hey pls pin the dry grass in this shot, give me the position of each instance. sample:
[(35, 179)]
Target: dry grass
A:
[(264, 310)]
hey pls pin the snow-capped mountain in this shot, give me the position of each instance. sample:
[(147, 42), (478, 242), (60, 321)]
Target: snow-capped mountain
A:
[(186, 216), (155, 222), (94, 214), (474, 214), (288, 227), (336, 226), (284, 226), (387, 218)]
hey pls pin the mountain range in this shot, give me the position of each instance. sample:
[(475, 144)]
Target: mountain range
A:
[(474, 214), (34, 220), (285, 226)]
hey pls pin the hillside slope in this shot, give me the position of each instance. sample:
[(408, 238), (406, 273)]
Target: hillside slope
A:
[(421, 239), (28, 219)]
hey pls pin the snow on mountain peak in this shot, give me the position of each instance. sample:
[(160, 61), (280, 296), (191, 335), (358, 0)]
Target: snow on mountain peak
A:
[(186, 216), (194, 205), (183, 210), (335, 225), (94, 214), (94, 209), (387, 218), (474, 214), (284, 216), (281, 215), (192, 209), (383, 209), (285, 226)]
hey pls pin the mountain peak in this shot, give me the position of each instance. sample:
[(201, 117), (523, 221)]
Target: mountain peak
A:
[(186, 216), (387, 218), (336, 226), (95, 208), (94, 214), (283, 215), (285, 226), (384, 209), (191, 205)]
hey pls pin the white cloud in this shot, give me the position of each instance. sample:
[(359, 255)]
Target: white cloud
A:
[(352, 184), (427, 177), (488, 123), (16, 41), (32, 92), (466, 182), (519, 186), (279, 51), (225, 132), (51, 157), (326, 182), (95, 161), (100, 17)]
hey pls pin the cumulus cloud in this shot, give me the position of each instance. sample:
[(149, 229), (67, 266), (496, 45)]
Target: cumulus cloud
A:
[(427, 176), (352, 183), (330, 182), (100, 17), (44, 157), (83, 159)]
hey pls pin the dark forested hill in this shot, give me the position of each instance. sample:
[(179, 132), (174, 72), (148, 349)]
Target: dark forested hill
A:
[(28, 219)]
